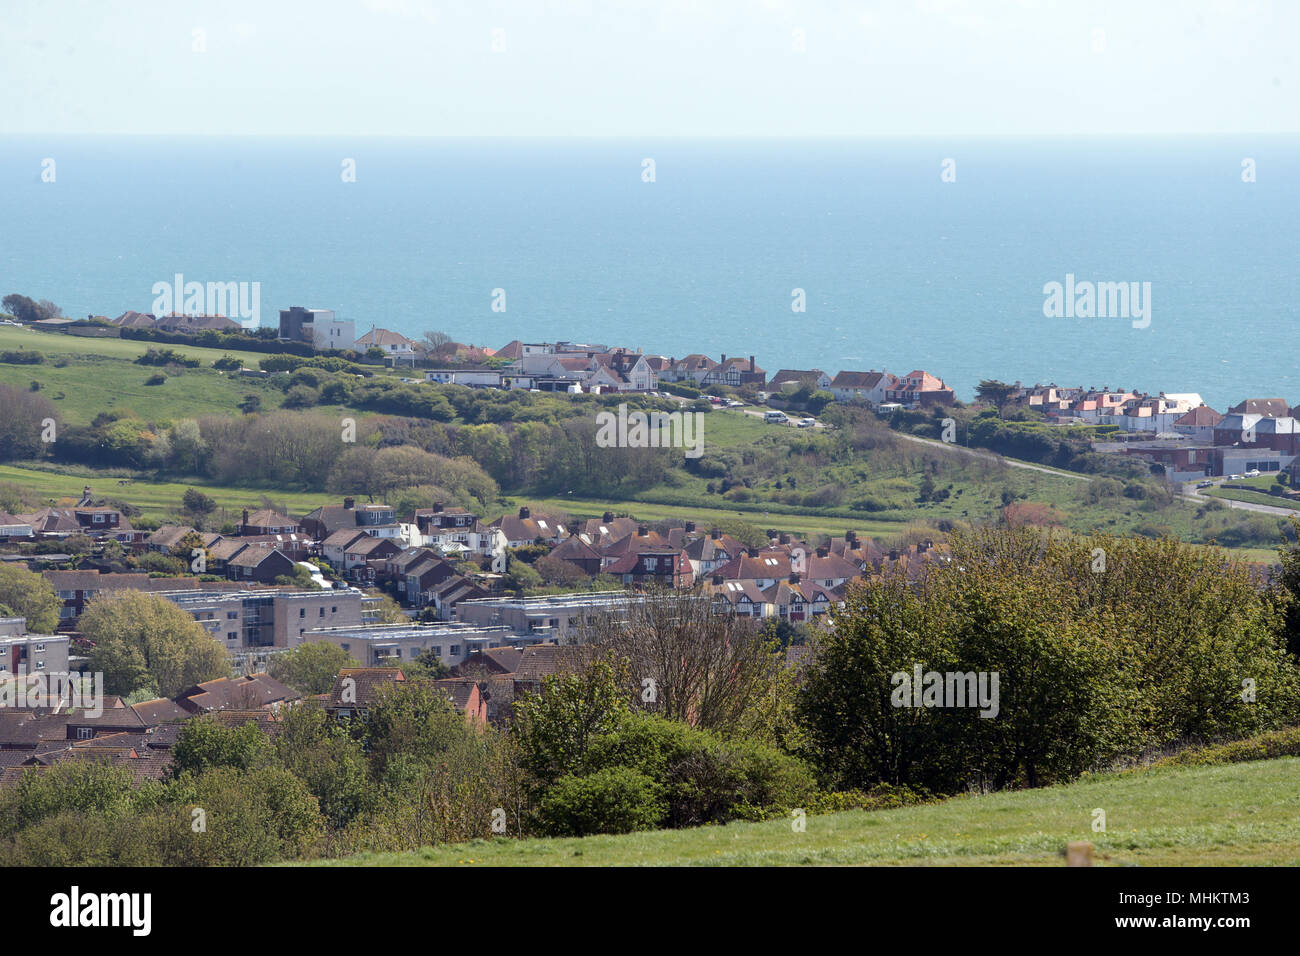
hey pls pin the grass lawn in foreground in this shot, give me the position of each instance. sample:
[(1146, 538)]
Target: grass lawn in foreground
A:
[(1231, 815)]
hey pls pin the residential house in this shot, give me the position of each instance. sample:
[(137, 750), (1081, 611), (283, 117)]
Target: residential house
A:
[(918, 388), (861, 387), (791, 379)]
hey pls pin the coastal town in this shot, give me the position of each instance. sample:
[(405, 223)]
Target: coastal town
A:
[(486, 607)]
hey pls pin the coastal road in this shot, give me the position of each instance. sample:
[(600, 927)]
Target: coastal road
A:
[(1192, 492)]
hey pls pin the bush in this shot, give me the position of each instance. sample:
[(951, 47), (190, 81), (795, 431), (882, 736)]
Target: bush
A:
[(614, 800), (1278, 743), (21, 358), (156, 379)]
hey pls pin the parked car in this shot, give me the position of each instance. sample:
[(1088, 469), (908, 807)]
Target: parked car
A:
[(1253, 473), (1234, 477), (1205, 484), (732, 403), (775, 417), (715, 400), (807, 423)]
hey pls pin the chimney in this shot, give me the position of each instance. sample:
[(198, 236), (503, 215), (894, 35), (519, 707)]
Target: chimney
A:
[(349, 503), (794, 577), (524, 513), (751, 363), (437, 507), (245, 522), (642, 530), (851, 537), (690, 527), (717, 578), (893, 554), (715, 533), (724, 359), (607, 517), (823, 551)]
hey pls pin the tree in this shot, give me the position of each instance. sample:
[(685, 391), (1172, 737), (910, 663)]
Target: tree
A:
[(27, 595), (196, 502), (27, 310), (431, 341), (717, 671), (204, 744), (22, 425), (554, 727), (388, 611), (995, 393), (310, 668), (140, 638)]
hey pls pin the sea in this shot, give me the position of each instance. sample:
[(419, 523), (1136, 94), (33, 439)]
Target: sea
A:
[(858, 254)]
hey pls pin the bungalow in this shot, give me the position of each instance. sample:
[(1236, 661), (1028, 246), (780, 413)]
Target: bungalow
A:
[(13, 528), (1264, 407), (392, 344)]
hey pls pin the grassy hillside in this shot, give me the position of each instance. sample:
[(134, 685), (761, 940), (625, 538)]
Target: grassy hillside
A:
[(1233, 815)]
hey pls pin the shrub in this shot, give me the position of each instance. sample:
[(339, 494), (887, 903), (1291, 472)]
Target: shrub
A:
[(614, 800)]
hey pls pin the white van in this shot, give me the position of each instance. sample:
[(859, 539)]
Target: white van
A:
[(774, 417)]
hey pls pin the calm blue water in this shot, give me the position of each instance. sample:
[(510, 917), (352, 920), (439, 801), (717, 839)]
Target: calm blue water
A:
[(901, 269)]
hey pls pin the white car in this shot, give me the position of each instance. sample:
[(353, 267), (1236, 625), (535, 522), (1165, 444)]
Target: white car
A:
[(1234, 477), (1253, 473), (807, 423)]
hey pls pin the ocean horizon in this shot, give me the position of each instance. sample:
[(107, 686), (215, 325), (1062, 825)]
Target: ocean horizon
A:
[(906, 260)]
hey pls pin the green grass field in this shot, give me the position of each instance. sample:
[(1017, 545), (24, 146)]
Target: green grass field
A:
[(155, 499), (1241, 814)]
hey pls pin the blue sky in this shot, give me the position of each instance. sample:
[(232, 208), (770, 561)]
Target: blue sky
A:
[(653, 68)]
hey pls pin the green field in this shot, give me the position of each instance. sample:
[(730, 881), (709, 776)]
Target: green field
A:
[(1258, 497), (155, 499), (1241, 814), (101, 375)]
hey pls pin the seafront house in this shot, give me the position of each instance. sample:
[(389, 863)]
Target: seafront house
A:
[(862, 387), (791, 379), (919, 388), (316, 327), (394, 345)]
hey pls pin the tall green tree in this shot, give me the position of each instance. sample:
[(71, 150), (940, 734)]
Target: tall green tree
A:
[(142, 638)]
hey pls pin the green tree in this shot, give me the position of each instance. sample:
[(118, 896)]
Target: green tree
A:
[(554, 727), (204, 744), (27, 595), (141, 638), (310, 668)]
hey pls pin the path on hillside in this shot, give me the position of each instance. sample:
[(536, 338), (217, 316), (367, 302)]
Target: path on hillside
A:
[(976, 453)]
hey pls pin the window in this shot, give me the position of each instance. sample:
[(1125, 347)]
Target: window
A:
[(346, 647), (232, 635), (85, 733), (334, 610), (455, 649), (40, 665), (231, 615), (99, 519), (302, 612), (437, 650), (40, 648)]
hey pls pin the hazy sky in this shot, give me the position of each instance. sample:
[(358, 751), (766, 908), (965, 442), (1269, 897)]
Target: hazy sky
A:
[(649, 67)]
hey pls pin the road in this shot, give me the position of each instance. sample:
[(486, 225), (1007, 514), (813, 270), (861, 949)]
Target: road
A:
[(1191, 491)]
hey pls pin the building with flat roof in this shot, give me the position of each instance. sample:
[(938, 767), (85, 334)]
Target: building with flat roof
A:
[(451, 643), (556, 617)]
